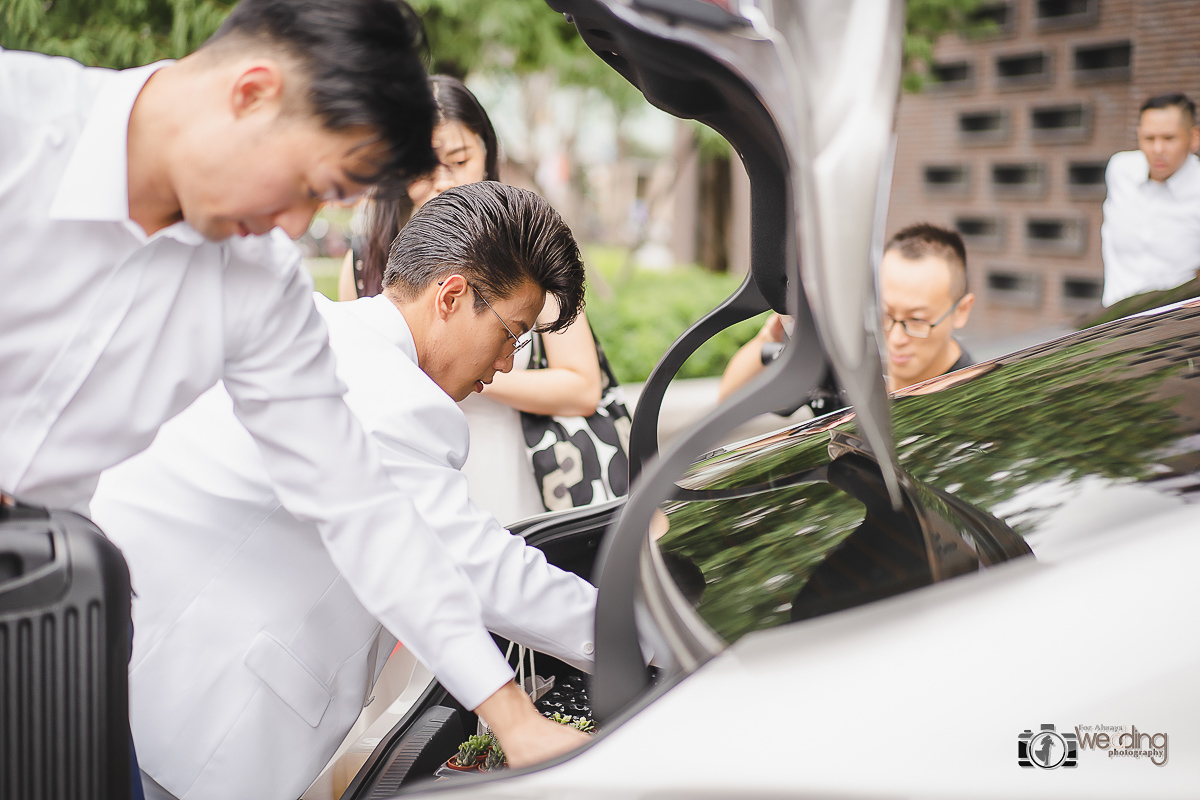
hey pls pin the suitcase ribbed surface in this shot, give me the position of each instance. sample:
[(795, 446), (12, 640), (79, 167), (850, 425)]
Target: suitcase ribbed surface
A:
[(64, 647), (51, 667)]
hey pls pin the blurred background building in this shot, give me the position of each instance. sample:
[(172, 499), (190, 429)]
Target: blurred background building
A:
[(1009, 140), (1006, 141)]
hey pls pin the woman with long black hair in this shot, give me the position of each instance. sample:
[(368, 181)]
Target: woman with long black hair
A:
[(498, 468)]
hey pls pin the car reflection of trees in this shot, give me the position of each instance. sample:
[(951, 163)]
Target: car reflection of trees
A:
[(1105, 404)]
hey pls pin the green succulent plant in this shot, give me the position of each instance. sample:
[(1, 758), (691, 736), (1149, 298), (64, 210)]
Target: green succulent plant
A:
[(470, 750), (579, 723), (495, 758)]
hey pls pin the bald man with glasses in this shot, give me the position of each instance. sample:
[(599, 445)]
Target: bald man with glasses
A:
[(925, 298)]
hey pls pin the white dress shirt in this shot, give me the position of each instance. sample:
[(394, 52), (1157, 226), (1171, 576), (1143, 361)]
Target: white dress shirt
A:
[(251, 655), (1150, 238), (106, 333)]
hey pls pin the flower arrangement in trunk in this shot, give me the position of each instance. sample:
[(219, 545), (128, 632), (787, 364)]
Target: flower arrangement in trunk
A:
[(579, 723), (494, 760), (482, 753), (470, 753)]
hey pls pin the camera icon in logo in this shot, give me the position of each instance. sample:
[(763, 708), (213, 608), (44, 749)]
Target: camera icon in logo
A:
[(1047, 748)]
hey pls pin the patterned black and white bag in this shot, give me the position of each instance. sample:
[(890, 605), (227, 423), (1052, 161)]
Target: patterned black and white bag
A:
[(578, 461)]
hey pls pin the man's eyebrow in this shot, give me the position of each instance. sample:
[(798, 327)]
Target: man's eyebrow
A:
[(909, 312)]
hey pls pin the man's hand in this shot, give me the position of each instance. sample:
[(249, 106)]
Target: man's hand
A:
[(525, 735), (747, 362)]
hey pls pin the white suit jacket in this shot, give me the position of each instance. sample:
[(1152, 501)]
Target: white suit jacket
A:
[(88, 377), (252, 656)]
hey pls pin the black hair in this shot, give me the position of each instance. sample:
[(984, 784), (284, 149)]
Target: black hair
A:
[(454, 102), (362, 65), (385, 216), (496, 236), (920, 240), (1187, 108)]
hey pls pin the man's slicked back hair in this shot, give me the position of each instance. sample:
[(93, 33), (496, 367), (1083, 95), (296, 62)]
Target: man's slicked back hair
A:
[(496, 236), (918, 241), (1187, 109), (362, 62)]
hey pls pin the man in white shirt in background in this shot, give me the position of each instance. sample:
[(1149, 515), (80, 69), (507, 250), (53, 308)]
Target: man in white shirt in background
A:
[(141, 263), (1150, 237), (242, 598)]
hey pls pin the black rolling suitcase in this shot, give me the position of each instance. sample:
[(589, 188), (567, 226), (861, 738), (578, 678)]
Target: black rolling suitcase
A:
[(64, 654)]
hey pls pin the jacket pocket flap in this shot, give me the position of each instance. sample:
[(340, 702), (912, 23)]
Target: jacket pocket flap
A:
[(288, 677)]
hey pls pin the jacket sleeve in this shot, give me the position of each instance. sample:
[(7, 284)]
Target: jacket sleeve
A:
[(524, 598), (281, 375)]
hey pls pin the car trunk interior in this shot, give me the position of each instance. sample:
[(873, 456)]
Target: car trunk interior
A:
[(431, 731)]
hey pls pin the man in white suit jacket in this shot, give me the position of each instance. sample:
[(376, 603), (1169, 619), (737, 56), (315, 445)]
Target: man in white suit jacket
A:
[(252, 655)]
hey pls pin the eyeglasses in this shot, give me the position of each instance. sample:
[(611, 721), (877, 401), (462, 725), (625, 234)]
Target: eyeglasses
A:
[(916, 328), (519, 344)]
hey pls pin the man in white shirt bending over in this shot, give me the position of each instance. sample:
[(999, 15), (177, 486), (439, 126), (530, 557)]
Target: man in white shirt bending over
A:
[(1150, 238), (144, 255), (242, 597)]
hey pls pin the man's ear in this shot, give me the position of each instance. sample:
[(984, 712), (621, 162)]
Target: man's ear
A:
[(258, 86), (1194, 139), (964, 310), (453, 294)]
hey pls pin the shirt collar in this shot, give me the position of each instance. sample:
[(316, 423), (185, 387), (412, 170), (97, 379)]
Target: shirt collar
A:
[(95, 184), (381, 315), (1186, 174)]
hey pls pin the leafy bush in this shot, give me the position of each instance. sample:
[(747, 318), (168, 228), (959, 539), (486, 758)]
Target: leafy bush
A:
[(639, 316), (1141, 302)]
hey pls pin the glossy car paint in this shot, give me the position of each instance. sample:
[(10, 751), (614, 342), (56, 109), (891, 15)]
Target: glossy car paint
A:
[(1089, 447)]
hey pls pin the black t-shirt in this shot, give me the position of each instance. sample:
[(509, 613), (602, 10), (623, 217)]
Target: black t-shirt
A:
[(828, 396)]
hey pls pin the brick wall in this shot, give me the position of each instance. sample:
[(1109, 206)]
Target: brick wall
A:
[(1009, 145)]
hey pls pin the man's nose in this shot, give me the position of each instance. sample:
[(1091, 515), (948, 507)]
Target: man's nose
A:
[(897, 334), (505, 363)]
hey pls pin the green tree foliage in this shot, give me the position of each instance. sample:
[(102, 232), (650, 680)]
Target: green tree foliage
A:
[(515, 36), (110, 33), (925, 22), (1094, 410), (1141, 302), (521, 36), (652, 308)]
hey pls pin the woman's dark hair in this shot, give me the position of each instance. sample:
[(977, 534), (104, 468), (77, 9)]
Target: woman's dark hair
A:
[(496, 236), (385, 216), (362, 61)]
